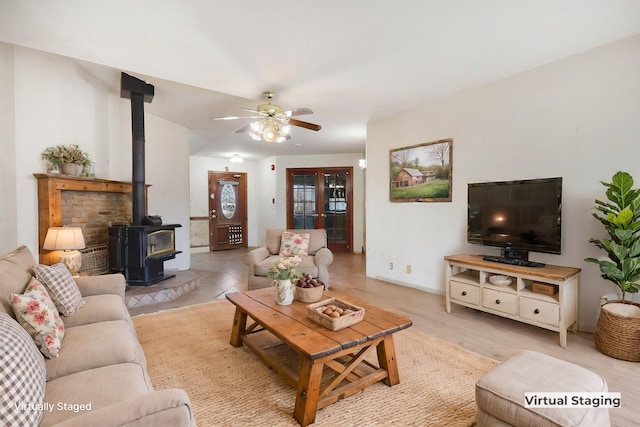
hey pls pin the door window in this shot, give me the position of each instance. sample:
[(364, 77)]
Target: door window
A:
[(228, 201), (304, 201), (335, 199)]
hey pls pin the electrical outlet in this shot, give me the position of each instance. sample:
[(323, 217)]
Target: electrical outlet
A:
[(390, 266), (408, 268)]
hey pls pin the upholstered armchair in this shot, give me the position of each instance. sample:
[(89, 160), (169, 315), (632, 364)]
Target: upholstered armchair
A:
[(316, 263)]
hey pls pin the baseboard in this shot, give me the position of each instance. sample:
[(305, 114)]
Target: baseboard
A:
[(199, 249)]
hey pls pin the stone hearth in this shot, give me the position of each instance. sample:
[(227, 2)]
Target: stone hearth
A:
[(165, 291)]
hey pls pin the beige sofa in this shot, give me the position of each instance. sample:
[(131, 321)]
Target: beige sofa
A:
[(99, 376), (316, 263)]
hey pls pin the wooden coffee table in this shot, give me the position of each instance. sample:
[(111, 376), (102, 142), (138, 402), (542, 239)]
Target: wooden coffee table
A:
[(340, 355)]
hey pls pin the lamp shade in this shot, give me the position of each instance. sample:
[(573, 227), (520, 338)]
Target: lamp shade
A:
[(63, 238)]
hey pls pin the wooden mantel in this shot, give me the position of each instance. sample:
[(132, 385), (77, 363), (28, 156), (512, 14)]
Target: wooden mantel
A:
[(50, 188)]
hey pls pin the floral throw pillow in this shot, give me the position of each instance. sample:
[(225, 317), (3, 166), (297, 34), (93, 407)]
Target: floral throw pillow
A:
[(38, 315), (293, 244), (62, 288)]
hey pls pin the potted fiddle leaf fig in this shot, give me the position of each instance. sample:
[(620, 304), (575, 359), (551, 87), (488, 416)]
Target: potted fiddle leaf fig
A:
[(618, 327)]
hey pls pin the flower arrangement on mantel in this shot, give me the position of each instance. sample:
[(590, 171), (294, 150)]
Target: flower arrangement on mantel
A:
[(285, 268), (61, 155)]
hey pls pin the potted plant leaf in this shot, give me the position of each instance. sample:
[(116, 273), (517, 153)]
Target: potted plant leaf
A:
[(618, 327), (70, 159)]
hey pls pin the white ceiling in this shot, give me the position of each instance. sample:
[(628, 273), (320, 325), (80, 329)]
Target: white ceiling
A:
[(350, 61)]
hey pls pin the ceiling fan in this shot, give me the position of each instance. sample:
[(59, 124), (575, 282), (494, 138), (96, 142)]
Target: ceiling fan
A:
[(273, 122)]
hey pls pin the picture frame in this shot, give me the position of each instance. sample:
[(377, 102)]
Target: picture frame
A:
[(422, 172)]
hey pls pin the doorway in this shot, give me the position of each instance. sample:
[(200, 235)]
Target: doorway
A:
[(227, 210), (322, 198)]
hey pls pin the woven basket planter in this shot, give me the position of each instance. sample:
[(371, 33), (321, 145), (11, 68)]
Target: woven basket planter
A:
[(618, 331)]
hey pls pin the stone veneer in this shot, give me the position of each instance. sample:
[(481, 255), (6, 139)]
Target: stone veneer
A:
[(95, 212)]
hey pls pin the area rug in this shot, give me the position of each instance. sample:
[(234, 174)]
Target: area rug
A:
[(189, 348)]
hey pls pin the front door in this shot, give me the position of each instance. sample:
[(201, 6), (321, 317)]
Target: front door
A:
[(227, 210), (322, 198)]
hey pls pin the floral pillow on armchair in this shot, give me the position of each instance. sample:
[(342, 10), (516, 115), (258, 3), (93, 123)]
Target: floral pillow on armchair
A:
[(294, 244)]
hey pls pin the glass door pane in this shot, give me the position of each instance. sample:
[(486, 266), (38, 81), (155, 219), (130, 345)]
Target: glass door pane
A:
[(304, 201), (335, 207)]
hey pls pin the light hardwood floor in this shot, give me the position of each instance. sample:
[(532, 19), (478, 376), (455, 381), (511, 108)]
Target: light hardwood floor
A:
[(486, 334)]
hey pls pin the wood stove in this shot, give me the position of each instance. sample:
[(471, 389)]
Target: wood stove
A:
[(139, 250)]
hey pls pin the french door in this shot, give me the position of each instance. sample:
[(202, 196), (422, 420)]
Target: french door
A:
[(227, 210), (322, 198)]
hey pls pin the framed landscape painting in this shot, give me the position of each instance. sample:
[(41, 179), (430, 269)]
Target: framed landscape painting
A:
[(421, 173)]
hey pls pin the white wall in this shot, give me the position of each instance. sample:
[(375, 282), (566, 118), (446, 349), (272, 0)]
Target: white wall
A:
[(8, 190), (578, 118), (68, 105), (265, 185), (167, 170), (270, 213)]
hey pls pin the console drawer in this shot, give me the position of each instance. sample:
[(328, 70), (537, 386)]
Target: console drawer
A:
[(505, 302), (540, 311), (465, 292)]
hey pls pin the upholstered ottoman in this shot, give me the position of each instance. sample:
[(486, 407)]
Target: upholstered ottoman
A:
[(500, 395)]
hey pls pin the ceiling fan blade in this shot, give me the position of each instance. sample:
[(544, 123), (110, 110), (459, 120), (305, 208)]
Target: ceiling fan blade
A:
[(234, 117), (298, 112), (249, 110), (244, 128), (306, 125)]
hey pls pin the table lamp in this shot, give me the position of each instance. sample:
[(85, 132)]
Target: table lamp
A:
[(67, 240)]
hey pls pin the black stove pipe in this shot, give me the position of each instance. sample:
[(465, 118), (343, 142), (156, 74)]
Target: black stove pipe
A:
[(138, 156), (138, 92)]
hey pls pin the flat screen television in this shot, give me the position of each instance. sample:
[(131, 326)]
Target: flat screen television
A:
[(516, 216)]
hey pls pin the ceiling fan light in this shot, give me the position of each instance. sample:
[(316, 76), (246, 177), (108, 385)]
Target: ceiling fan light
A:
[(256, 126), (270, 133), (273, 123)]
